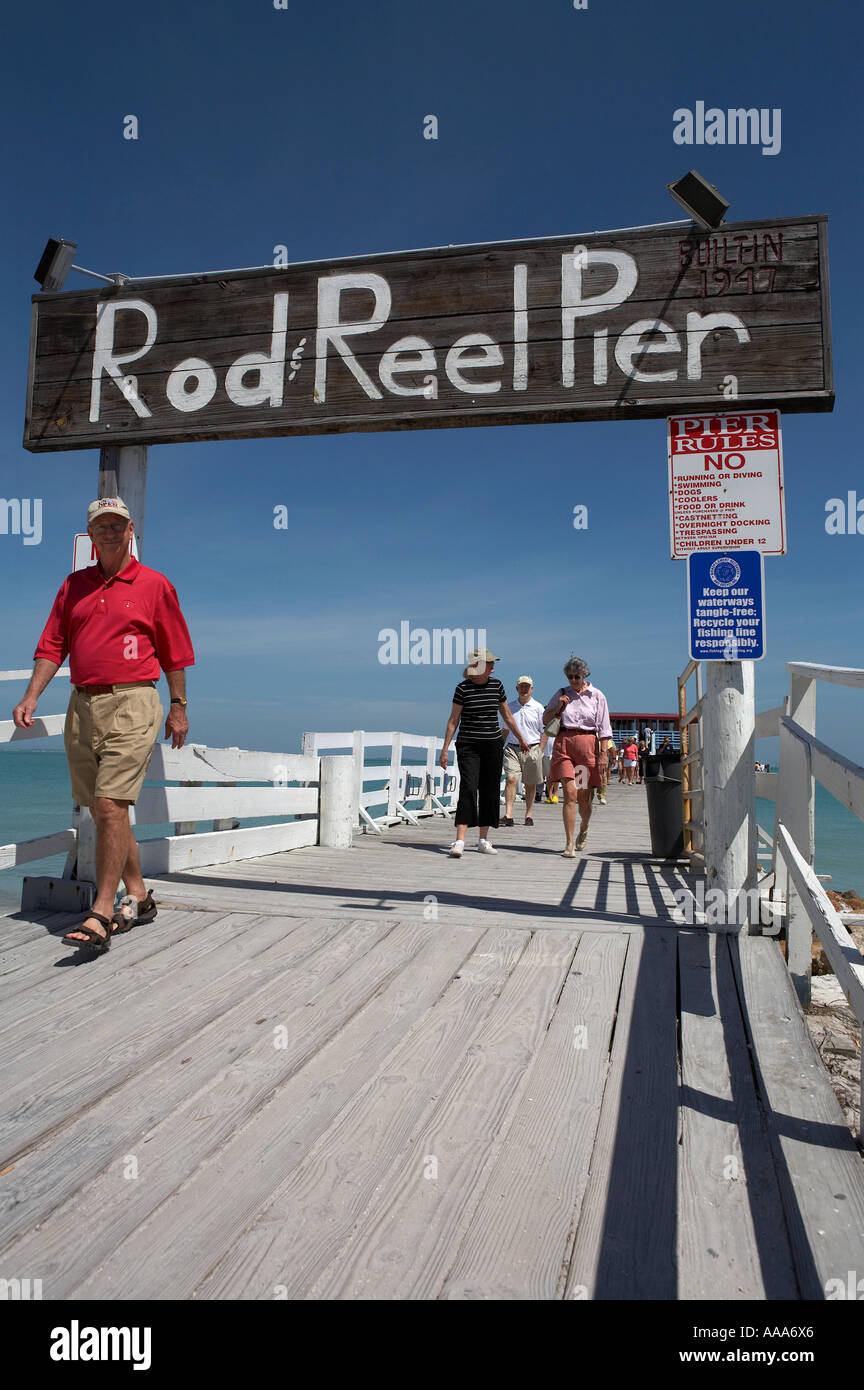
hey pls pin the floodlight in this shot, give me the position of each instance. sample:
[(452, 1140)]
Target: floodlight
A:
[(56, 263), (700, 199)]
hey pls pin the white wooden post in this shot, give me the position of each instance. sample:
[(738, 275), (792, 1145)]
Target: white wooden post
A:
[(729, 783), (395, 769), (187, 827), (123, 473), (85, 866), (337, 807), (794, 783), (357, 745), (696, 742), (430, 773), (226, 824), (795, 798)]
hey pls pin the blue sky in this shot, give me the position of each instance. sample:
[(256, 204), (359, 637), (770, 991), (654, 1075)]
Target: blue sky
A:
[(259, 127)]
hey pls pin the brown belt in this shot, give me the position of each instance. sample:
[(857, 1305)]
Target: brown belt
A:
[(110, 689), (565, 729)]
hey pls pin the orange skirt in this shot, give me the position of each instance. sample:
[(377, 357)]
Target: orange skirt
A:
[(572, 751)]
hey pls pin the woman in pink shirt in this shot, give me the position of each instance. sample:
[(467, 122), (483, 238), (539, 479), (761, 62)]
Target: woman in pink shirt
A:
[(579, 755)]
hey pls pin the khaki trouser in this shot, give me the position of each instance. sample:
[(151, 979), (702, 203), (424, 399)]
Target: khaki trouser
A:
[(109, 741)]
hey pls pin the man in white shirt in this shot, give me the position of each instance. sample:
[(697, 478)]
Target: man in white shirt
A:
[(528, 716)]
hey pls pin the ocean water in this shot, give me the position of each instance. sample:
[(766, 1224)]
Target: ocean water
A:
[(35, 800)]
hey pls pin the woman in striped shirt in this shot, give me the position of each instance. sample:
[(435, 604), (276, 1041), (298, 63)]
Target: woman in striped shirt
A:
[(478, 700)]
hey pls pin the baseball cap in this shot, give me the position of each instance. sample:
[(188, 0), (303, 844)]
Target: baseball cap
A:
[(115, 506), (524, 680)]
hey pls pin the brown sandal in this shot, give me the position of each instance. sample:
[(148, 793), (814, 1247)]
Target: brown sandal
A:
[(132, 913), (101, 943)]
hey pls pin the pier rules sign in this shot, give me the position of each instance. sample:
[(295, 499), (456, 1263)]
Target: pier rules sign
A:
[(726, 483), (636, 324), (725, 602)]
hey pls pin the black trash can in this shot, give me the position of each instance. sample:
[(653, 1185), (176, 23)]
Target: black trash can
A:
[(665, 812)]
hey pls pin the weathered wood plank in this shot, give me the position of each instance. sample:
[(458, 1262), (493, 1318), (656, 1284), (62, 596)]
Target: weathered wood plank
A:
[(186, 1235), (157, 805), (518, 1249), (406, 1240), (88, 983), (125, 1029), (424, 278), (282, 1247), (790, 353), (229, 765), (189, 1102), (33, 969), (732, 1241), (409, 356), (25, 851), (175, 853), (625, 1245), (819, 1168)]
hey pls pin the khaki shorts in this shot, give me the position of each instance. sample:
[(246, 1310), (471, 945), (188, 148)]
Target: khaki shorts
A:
[(528, 766), (109, 741)]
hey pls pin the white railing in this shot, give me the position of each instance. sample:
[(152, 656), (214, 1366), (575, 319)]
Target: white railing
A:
[(48, 726), (692, 794), (412, 789), (436, 791), (233, 798), (805, 760)]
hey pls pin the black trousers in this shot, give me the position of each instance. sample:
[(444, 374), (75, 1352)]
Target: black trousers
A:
[(480, 764)]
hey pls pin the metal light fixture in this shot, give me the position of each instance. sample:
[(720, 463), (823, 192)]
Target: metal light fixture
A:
[(56, 263), (700, 199)]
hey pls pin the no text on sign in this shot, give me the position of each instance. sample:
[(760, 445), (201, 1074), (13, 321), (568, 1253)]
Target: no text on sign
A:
[(726, 482), (726, 605)]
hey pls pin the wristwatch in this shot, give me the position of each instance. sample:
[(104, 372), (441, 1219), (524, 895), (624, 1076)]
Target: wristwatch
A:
[(178, 700)]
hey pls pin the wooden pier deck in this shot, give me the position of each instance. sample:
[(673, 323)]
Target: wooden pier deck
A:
[(384, 1074)]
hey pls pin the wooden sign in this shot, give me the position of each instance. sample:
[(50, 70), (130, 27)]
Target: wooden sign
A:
[(617, 325)]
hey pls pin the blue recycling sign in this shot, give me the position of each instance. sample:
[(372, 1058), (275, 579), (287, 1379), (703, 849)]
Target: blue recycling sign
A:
[(726, 605)]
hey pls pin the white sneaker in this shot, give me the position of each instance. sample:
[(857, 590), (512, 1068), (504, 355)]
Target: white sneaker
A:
[(484, 847), (457, 849), (602, 800)]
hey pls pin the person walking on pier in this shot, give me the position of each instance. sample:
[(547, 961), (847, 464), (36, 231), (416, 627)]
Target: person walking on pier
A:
[(528, 714), (118, 622), (644, 754), (477, 702), (579, 758), (631, 760)]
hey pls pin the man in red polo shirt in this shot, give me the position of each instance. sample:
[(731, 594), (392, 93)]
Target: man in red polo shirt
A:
[(118, 621)]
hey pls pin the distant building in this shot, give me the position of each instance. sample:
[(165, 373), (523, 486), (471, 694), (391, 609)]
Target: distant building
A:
[(627, 723)]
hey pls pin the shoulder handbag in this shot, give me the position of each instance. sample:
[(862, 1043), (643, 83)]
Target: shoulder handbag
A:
[(552, 728)]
